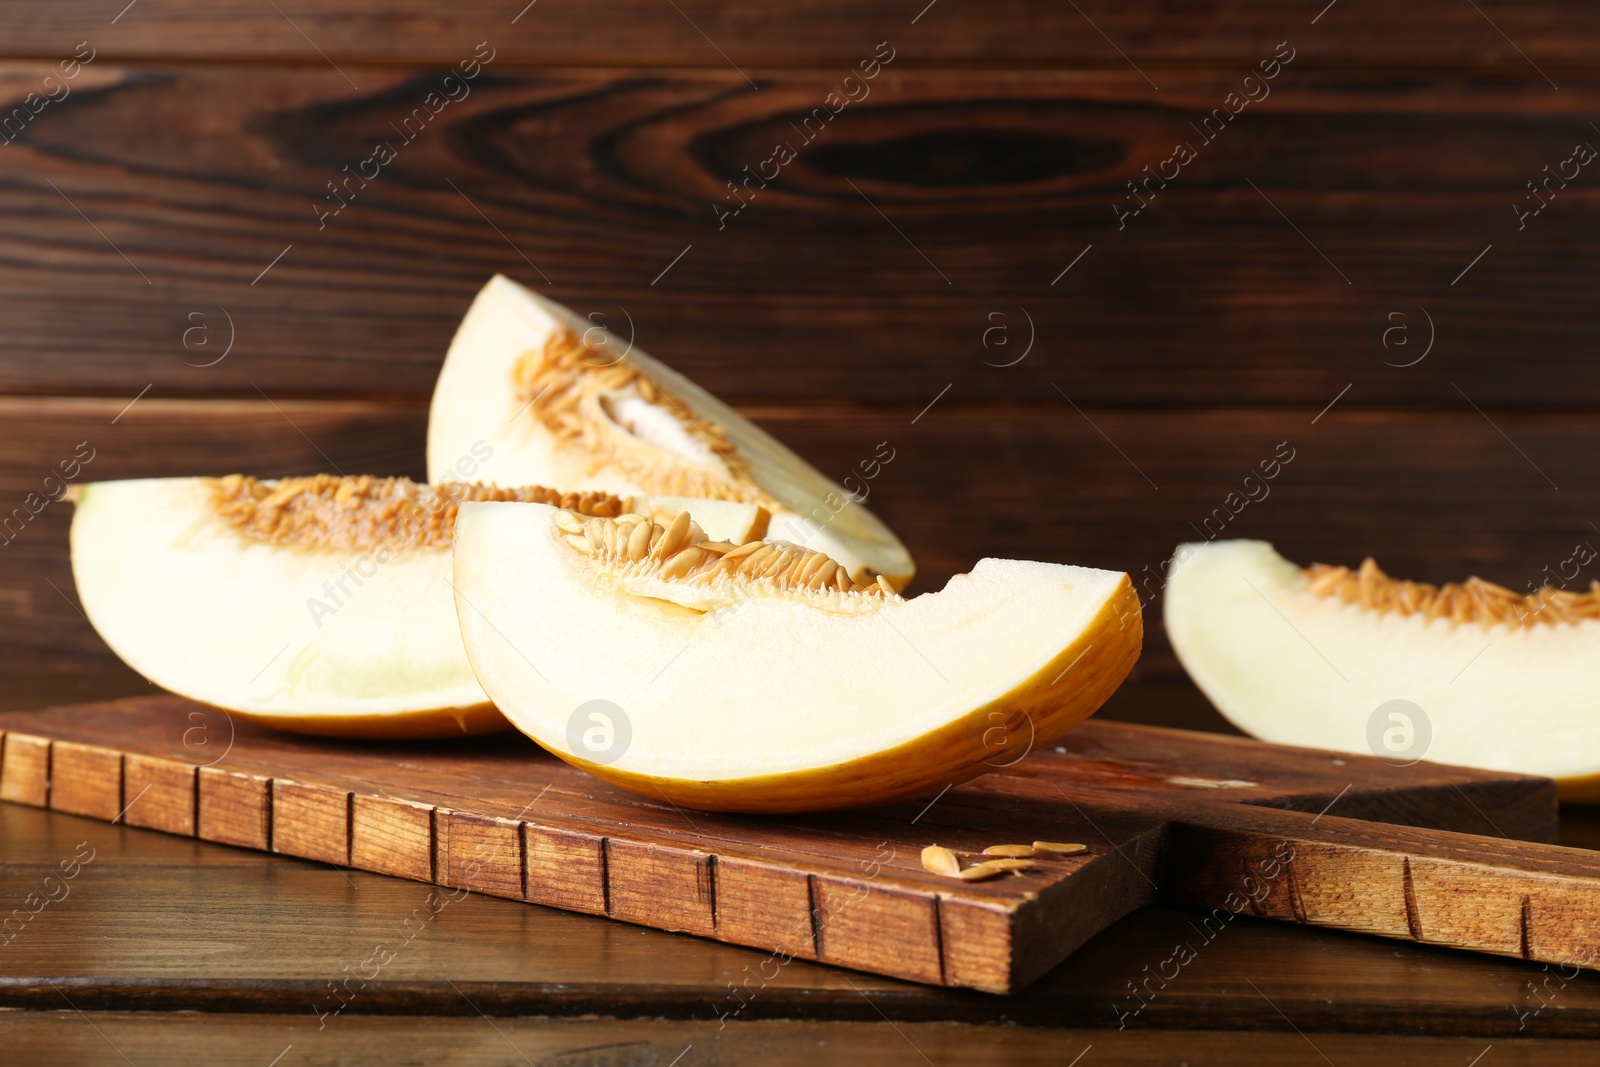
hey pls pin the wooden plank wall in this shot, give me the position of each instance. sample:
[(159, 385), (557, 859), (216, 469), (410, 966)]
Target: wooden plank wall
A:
[(952, 262)]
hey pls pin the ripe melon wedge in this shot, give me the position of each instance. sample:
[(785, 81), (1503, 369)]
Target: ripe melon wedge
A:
[(762, 679), (563, 402), (1320, 657), (320, 605)]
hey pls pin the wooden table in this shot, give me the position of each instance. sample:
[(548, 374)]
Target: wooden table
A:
[(166, 950), (946, 269)]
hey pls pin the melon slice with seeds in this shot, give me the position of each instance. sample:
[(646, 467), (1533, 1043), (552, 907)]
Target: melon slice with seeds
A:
[(562, 402), (320, 605), (763, 677), (1354, 660)]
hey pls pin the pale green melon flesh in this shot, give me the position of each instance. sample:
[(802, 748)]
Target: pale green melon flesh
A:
[(359, 642), (731, 708), (1291, 666), (286, 633), (476, 409)]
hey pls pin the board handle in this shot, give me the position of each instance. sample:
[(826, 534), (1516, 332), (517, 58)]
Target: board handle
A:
[(1436, 887)]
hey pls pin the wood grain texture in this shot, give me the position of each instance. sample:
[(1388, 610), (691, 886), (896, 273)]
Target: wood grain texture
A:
[(481, 853), (85, 779), (164, 792), (566, 868), (1115, 789), (310, 821), (394, 837), (168, 924), (712, 33), (60, 1038), (234, 809), (1429, 886), (288, 926), (589, 184), (25, 769)]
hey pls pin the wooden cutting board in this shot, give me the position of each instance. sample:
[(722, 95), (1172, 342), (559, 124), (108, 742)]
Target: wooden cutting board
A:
[(1220, 825)]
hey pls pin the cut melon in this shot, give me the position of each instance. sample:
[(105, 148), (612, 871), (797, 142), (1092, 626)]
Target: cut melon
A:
[(1353, 660), (320, 605), (762, 678), (562, 402)]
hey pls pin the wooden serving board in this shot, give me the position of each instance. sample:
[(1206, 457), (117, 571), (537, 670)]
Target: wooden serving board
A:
[(1221, 825)]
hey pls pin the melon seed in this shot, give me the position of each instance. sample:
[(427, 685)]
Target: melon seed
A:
[(1474, 600), (681, 564), (1060, 848), (564, 387), (639, 541), (939, 860), (746, 549), (675, 537), (1015, 851)]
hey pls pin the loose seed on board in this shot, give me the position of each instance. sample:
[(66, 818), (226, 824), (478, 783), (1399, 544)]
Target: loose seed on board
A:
[(939, 860), (1015, 851), (1010, 864), (1060, 848), (981, 872)]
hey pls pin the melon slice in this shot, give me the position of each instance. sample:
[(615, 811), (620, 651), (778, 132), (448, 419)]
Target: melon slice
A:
[(1353, 660), (562, 402), (762, 678), (320, 605)]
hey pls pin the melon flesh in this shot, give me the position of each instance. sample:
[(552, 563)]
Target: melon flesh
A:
[(754, 699), (1287, 664), (358, 640), (629, 444)]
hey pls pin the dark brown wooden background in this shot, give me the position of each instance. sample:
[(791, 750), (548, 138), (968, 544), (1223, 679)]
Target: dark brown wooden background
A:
[(925, 226)]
